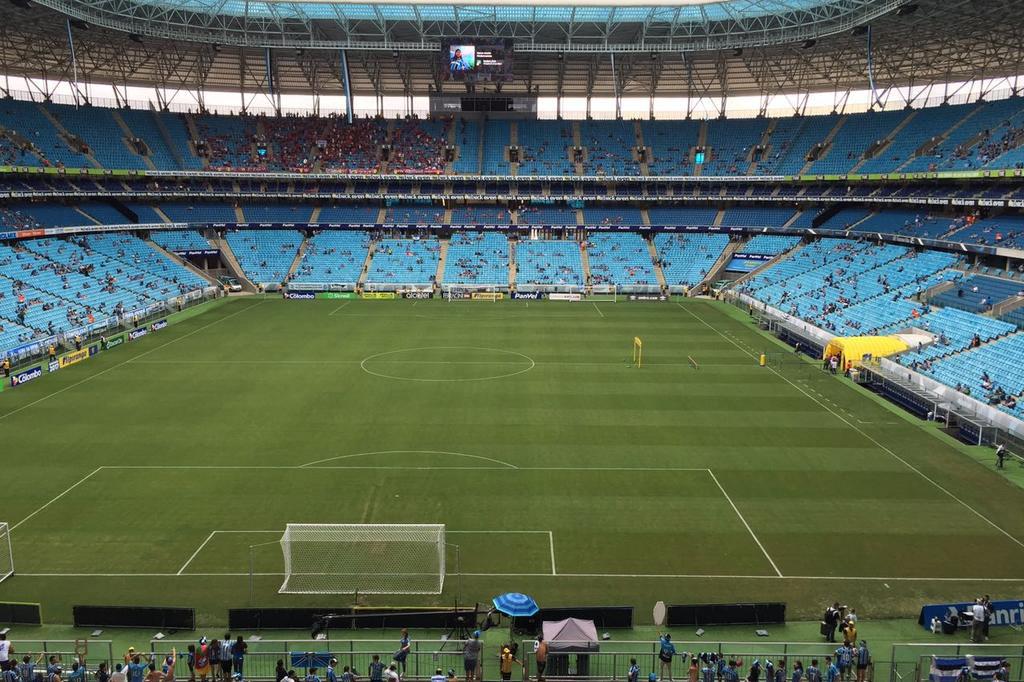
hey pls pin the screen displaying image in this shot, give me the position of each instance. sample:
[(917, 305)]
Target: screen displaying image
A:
[(471, 60), (461, 58)]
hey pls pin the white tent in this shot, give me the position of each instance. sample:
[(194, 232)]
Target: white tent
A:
[(571, 634)]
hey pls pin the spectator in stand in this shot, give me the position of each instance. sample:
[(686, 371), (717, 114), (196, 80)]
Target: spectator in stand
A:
[(665, 654), (6, 650), (118, 674), (541, 657), (376, 669), (280, 672), (238, 650), (471, 656)]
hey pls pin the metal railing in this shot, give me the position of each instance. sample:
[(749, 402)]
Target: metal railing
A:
[(912, 662), (68, 651)]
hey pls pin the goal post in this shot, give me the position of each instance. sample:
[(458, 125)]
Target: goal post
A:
[(638, 352), (6, 553), (346, 558)]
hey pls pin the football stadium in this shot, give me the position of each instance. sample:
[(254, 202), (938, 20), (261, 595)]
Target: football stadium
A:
[(591, 341)]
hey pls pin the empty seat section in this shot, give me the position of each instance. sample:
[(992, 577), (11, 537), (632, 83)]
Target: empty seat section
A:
[(622, 259), (477, 258), (265, 255), (686, 259), (404, 261), (548, 263), (333, 257)]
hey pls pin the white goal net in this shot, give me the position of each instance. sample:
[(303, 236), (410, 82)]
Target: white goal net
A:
[(346, 558), (6, 553)]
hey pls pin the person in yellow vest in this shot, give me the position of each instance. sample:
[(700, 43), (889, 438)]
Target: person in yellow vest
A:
[(78, 342), (508, 657), (7, 367), (52, 351)]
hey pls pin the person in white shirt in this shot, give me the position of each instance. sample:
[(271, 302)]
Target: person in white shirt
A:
[(391, 674), (118, 675), (978, 622), (5, 653)]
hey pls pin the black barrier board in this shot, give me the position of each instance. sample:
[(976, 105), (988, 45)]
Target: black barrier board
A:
[(727, 614), (12, 613), (134, 617)]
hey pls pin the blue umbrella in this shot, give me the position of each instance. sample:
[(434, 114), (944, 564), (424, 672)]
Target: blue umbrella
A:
[(515, 604)]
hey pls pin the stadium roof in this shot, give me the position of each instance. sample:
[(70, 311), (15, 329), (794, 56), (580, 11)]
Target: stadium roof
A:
[(767, 47)]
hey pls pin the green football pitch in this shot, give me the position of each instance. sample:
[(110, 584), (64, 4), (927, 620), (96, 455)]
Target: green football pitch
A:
[(155, 474)]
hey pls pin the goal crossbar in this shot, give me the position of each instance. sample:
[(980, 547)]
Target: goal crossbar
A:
[(347, 558)]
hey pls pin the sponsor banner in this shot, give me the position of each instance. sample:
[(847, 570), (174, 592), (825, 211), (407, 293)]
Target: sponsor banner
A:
[(647, 297), (565, 297), (299, 295), (526, 295), (115, 341), (487, 295), (137, 333), (158, 325), (53, 366), (753, 256), (458, 295), (27, 375), (73, 358), (197, 252), (418, 294), (93, 349), (336, 294), (1005, 612), (380, 295)]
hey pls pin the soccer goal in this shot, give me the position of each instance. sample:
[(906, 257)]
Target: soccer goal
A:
[(6, 553), (346, 558), (608, 293)]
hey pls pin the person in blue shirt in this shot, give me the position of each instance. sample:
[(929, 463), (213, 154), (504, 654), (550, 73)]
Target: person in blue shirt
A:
[(348, 676), (404, 646), (136, 669), (225, 659), (77, 673), (665, 655), (831, 670), (331, 677), (376, 670), (813, 674), (798, 672), (634, 671), (863, 660), (780, 671), (312, 676), (730, 674), (844, 659), (238, 650), (10, 674), (708, 672)]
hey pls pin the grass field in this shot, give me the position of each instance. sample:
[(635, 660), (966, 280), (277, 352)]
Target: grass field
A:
[(144, 475)]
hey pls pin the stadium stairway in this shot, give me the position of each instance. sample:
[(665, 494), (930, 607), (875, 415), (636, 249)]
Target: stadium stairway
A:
[(165, 135), (314, 217), (129, 135), (239, 216), (662, 282), (766, 140), (513, 141), (512, 263), (193, 134), (585, 260), (577, 141), (718, 268), (299, 254), (928, 294), (1008, 306), (937, 140), (170, 255), (234, 268), (885, 142), (767, 264), (160, 212), (638, 136), (702, 141), (442, 256), (823, 147), (65, 135), (361, 282)]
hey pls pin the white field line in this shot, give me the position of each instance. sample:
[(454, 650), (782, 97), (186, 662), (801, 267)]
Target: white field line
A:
[(129, 360), (338, 308), (598, 310), (746, 525), (856, 428), (645, 576), (551, 543), (196, 553), (66, 491)]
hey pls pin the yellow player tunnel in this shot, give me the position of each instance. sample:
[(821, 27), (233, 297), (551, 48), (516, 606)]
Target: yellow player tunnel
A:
[(857, 349)]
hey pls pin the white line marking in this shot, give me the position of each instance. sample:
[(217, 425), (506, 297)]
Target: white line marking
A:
[(72, 487), (879, 445), (745, 524), (656, 576), (567, 363), (395, 452), (305, 467), (598, 310), (125, 362), (551, 543), (338, 308), (196, 553)]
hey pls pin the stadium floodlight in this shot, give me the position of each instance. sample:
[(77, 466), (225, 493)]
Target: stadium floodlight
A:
[(349, 558), (6, 553)]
